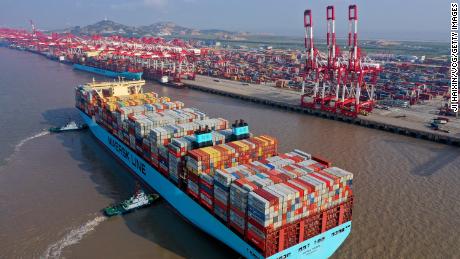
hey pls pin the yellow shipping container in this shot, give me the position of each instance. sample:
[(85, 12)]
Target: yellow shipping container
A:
[(111, 106), (211, 154), (237, 143), (263, 140), (92, 53), (270, 139), (243, 145)]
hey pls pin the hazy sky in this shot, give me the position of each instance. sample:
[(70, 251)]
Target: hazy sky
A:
[(390, 19)]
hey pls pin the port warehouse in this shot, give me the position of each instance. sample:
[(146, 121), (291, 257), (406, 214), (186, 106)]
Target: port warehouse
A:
[(272, 200)]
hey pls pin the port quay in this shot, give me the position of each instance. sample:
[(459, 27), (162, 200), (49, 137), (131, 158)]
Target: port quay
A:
[(288, 100)]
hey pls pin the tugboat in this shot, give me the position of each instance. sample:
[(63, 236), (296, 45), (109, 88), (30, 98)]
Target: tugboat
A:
[(70, 126), (139, 200)]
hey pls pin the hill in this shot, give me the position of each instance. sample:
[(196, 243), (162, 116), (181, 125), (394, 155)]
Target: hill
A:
[(107, 28)]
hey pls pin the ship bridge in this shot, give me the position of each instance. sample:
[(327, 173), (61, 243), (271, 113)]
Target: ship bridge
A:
[(116, 88)]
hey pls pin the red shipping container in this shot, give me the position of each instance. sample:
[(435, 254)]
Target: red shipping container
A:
[(241, 215), (193, 177), (325, 174), (322, 161), (194, 195), (255, 239), (206, 200), (315, 175)]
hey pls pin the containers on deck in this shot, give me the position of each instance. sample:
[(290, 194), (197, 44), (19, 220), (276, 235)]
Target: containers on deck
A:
[(272, 200)]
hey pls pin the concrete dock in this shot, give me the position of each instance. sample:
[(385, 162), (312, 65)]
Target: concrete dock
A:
[(410, 122)]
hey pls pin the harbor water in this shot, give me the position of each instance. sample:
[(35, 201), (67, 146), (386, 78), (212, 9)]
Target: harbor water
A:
[(53, 186)]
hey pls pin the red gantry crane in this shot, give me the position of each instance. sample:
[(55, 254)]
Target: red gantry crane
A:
[(339, 84), (159, 59)]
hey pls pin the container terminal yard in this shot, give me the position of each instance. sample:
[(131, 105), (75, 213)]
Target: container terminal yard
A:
[(411, 122), (403, 94)]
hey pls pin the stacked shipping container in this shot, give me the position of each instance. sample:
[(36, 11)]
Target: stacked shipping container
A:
[(273, 201), (202, 163)]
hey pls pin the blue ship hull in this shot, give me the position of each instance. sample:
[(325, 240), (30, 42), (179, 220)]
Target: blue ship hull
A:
[(320, 246), (108, 73)]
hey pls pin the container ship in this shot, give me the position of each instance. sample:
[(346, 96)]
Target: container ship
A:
[(231, 184), (108, 68)]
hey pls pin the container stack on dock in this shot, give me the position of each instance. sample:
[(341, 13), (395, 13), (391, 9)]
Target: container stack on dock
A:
[(405, 80), (253, 66), (271, 200)]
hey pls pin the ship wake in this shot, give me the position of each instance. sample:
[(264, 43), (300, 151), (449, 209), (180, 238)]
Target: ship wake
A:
[(24, 141), (72, 237)]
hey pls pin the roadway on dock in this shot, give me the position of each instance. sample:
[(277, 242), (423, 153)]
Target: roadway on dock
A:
[(253, 90)]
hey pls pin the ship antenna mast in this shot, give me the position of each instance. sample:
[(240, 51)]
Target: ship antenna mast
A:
[(34, 30)]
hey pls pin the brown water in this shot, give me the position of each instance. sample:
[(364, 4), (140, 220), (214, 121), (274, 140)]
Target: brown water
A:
[(52, 187)]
